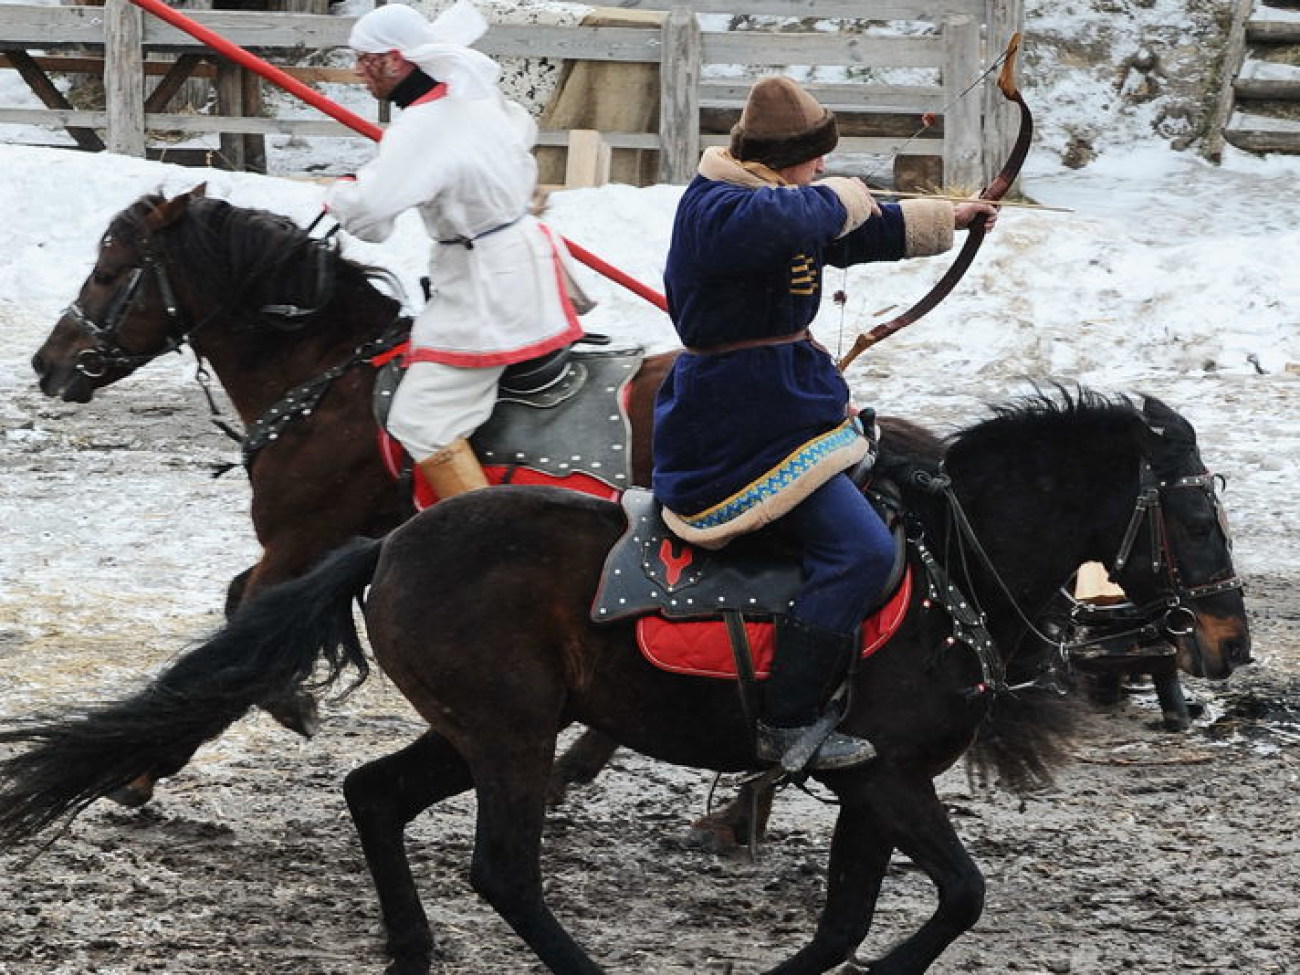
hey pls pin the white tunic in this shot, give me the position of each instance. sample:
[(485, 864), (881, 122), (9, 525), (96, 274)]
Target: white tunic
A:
[(466, 165)]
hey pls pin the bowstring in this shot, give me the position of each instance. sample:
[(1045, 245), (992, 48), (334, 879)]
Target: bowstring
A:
[(942, 110), (994, 65)]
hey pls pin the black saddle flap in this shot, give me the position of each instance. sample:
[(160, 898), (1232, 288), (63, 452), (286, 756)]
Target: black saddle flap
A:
[(651, 570), (576, 422)]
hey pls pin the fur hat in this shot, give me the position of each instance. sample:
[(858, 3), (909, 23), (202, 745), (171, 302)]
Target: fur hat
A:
[(782, 125)]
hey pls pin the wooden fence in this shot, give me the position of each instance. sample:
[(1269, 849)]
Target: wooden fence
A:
[(957, 39)]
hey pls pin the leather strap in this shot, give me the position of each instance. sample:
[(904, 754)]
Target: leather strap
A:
[(725, 347)]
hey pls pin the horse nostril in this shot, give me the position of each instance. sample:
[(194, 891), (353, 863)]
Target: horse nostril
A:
[(38, 365), (1238, 652)]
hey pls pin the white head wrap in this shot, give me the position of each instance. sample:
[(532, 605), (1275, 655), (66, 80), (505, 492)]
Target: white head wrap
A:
[(440, 49)]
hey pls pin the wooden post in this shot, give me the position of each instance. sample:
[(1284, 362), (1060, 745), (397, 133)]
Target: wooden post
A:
[(1234, 55), (679, 97), (124, 77), (230, 102), (587, 161), (961, 124), (254, 105)]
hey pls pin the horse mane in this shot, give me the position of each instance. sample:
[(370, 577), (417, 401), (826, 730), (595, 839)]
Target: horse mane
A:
[(254, 258), (1029, 734), (1061, 414)]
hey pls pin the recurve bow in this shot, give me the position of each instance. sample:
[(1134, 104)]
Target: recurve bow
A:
[(995, 190)]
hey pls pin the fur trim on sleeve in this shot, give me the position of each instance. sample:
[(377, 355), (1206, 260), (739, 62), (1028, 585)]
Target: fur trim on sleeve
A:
[(928, 226), (856, 198)]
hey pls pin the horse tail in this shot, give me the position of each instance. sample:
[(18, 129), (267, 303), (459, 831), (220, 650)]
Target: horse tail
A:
[(269, 647), (1026, 737)]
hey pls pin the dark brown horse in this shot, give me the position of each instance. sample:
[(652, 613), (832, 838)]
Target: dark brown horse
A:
[(479, 611), (288, 327), (271, 309)]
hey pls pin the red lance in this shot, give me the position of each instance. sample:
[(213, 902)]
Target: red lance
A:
[(353, 121)]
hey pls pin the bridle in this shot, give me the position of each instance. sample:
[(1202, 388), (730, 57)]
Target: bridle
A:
[(1148, 511), (1169, 611), (108, 352)]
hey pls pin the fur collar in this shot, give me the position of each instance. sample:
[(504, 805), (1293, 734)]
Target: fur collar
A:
[(720, 165)]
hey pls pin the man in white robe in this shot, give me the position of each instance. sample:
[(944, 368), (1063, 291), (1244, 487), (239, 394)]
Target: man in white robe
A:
[(459, 153)]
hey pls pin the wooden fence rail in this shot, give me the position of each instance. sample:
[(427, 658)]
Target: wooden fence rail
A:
[(964, 36)]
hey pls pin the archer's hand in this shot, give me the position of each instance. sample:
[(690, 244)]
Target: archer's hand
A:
[(964, 213)]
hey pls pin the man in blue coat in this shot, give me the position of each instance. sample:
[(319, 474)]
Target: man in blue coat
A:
[(754, 422)]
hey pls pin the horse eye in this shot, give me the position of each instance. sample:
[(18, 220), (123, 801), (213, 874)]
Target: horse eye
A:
[(101, 277)]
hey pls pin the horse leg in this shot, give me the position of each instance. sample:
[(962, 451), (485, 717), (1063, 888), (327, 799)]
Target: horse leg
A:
[(859, 859), (506, 871), (235, 591), (919, 826), (580, 763), (1174, 712), (740, 824), (383, 796)]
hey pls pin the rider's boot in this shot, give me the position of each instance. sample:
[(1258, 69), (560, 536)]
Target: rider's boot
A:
[(810, 662), (453, 470)]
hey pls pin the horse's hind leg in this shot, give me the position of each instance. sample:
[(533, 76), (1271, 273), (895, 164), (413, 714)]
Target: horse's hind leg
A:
[(918, 825), (383, 796), (859, 859), (507, 872), (580, 763)]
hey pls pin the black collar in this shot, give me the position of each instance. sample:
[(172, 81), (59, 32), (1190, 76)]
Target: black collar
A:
[(410, 88)]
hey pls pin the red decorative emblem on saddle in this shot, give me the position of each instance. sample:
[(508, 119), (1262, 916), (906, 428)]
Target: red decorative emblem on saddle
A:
[(701, 648)]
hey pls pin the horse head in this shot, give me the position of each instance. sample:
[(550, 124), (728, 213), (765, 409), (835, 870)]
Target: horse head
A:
[(1177, 548), (127, 311)]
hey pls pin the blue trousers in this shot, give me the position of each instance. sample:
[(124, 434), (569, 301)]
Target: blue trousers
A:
[(847, 555)]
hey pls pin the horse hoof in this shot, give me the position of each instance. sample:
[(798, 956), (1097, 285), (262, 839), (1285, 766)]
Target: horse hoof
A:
[(713, 837), (297, 712), (413, 965), (134, 794)]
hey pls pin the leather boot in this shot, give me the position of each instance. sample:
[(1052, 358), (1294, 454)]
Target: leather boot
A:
[(809, 664), (453, 470)]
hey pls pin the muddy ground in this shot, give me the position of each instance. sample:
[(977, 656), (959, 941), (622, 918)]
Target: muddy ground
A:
[(1158, 853)]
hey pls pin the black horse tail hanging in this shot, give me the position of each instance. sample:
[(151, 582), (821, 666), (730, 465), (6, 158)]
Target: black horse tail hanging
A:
[(265, 652)]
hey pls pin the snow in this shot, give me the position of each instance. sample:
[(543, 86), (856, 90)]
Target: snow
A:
[(1168, 275)]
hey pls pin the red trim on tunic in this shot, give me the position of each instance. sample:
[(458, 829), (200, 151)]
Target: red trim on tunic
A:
[(701, 648), (506, 357), (432, 95)]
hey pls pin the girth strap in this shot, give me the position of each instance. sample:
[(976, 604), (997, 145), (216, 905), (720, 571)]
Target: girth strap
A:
[(747, 683)]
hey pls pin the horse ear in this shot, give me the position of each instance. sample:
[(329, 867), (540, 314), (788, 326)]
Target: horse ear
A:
[(168, 212)]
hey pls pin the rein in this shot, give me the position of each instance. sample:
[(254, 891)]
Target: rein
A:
[(968, 623)]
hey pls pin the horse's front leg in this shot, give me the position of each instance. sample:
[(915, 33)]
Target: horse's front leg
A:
[(860, 852), (920, 828), (383, 796)]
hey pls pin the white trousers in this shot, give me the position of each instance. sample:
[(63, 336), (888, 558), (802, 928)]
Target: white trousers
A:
[(437, 404)]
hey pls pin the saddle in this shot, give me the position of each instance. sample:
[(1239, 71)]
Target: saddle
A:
[(561, 419), (687, 601)]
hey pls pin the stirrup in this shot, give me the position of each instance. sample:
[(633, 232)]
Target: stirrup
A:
[(815, 747)]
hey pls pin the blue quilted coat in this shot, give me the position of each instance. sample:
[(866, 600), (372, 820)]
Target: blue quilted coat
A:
[(746, 263)]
